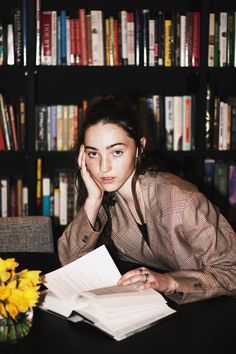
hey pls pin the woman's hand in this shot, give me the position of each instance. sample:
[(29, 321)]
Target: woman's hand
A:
[(94, 189), (148, 279)]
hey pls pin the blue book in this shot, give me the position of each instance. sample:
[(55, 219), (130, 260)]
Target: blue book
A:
[(58, 40), (46, 196), (63, 38)]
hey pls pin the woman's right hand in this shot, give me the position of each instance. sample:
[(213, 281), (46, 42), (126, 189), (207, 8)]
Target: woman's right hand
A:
[(95, 190)]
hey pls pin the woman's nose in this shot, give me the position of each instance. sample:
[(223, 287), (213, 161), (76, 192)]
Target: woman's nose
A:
[(105, 165)]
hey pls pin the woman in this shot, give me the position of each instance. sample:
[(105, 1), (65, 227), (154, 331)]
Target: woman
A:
[(185, 246)]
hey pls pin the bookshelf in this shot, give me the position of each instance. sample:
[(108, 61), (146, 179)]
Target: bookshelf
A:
[(66, 85)]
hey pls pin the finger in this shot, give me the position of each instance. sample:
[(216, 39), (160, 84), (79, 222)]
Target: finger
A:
[(81, 152), (130, 274)]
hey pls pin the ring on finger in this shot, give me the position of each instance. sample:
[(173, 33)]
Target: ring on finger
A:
[(146, 277)]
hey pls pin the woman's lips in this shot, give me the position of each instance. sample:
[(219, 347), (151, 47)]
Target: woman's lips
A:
[(107, 180)]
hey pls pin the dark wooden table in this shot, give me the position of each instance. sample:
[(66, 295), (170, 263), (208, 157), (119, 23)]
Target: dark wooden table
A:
[(207, 327)]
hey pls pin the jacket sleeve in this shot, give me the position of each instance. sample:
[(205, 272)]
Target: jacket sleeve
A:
[(213, 242), (80, 237)]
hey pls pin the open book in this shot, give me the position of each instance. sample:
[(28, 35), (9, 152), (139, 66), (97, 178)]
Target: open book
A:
[(87, 289)]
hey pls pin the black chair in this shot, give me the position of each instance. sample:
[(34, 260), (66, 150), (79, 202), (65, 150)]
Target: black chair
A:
[(26, 234)]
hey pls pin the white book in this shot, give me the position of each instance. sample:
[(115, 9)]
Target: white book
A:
[(68, 50), (88, 287), (223, 38), (25, 201), (10, 45), (38, 31), (95, 36), (151, 42), (130, 39), (211, 39), (54, 37), (182, 40), (4, 197), (124, 37), (169, 124), (178, 123), (63, 187)]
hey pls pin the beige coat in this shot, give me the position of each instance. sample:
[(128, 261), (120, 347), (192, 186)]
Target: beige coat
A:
[(188, 238)]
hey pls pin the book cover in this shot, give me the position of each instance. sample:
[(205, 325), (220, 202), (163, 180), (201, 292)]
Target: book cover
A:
[(167, 42), (46, 188), (124, 37), (178, 123), (223, 39)]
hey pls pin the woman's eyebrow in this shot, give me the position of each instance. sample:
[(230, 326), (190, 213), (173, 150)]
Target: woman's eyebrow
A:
[(108, 147)]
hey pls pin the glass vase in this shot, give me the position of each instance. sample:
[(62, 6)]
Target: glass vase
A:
[(12, 330)]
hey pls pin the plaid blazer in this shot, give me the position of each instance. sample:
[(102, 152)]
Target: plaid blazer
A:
[(188, 237)]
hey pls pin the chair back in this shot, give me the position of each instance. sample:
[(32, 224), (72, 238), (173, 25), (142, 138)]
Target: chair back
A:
[(26, 234)]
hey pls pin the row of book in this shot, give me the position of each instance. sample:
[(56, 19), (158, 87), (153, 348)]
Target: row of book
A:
[(14, 197), (57, 126), (222, 39), (220, 122), (13, 37), (136, 37), (220, 182), (55, 195), (167, 122), (12, 125)]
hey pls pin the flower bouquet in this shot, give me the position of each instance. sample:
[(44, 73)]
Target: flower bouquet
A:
[(19, 293)]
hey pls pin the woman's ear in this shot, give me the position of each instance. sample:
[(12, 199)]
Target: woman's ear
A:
[(143, 141)]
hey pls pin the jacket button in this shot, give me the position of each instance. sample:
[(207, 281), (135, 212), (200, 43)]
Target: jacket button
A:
[(85, 239)]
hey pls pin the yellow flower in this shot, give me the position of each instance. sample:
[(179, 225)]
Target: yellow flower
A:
[(4, 276), (18, 291), (32, 275), (4, 292), (32, 296), (3, 311), (8, 264), (12, 309)]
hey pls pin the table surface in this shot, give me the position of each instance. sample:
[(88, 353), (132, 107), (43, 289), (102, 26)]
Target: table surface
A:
[(206, 327)]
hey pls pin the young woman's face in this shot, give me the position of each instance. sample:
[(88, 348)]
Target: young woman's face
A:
[(110, 155)]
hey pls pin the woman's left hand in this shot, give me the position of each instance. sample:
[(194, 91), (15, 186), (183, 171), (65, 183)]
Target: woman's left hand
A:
[(146, 279)]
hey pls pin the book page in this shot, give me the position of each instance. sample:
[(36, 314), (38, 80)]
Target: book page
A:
[(94, 270)]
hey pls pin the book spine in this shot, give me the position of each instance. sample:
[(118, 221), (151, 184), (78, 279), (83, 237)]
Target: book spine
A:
[(13, 127), (89, 39), (68, 49), (24, 31), (211, 39), (169, 125), (146, 18), (4, 197), (223, 38), (208, 120), (63, 38), (25, 201), (178, 123), (196, 40), (46, 186), (230, 39), (63, 186), (83, 37), (54, 38), (187, 121), (182, 39), (167, 43), (39, 185), (124, 36), (22, 114), (10, 45), (217, 39), (38, 31), (46, 45), (17, 29)]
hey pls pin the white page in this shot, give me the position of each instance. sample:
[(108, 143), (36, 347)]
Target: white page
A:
[(94, 270)]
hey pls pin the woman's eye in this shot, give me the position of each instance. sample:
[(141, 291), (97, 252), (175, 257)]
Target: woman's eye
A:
[(92, 154), (118, 153)]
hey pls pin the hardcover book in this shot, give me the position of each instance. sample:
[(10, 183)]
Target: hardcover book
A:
[(87, 290)]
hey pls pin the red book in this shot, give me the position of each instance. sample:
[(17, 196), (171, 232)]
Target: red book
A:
[(46, 50), (196, 39), (116, 42), (13, 126), (2, 143), (77, 42), (72, 42), (83, 36)]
